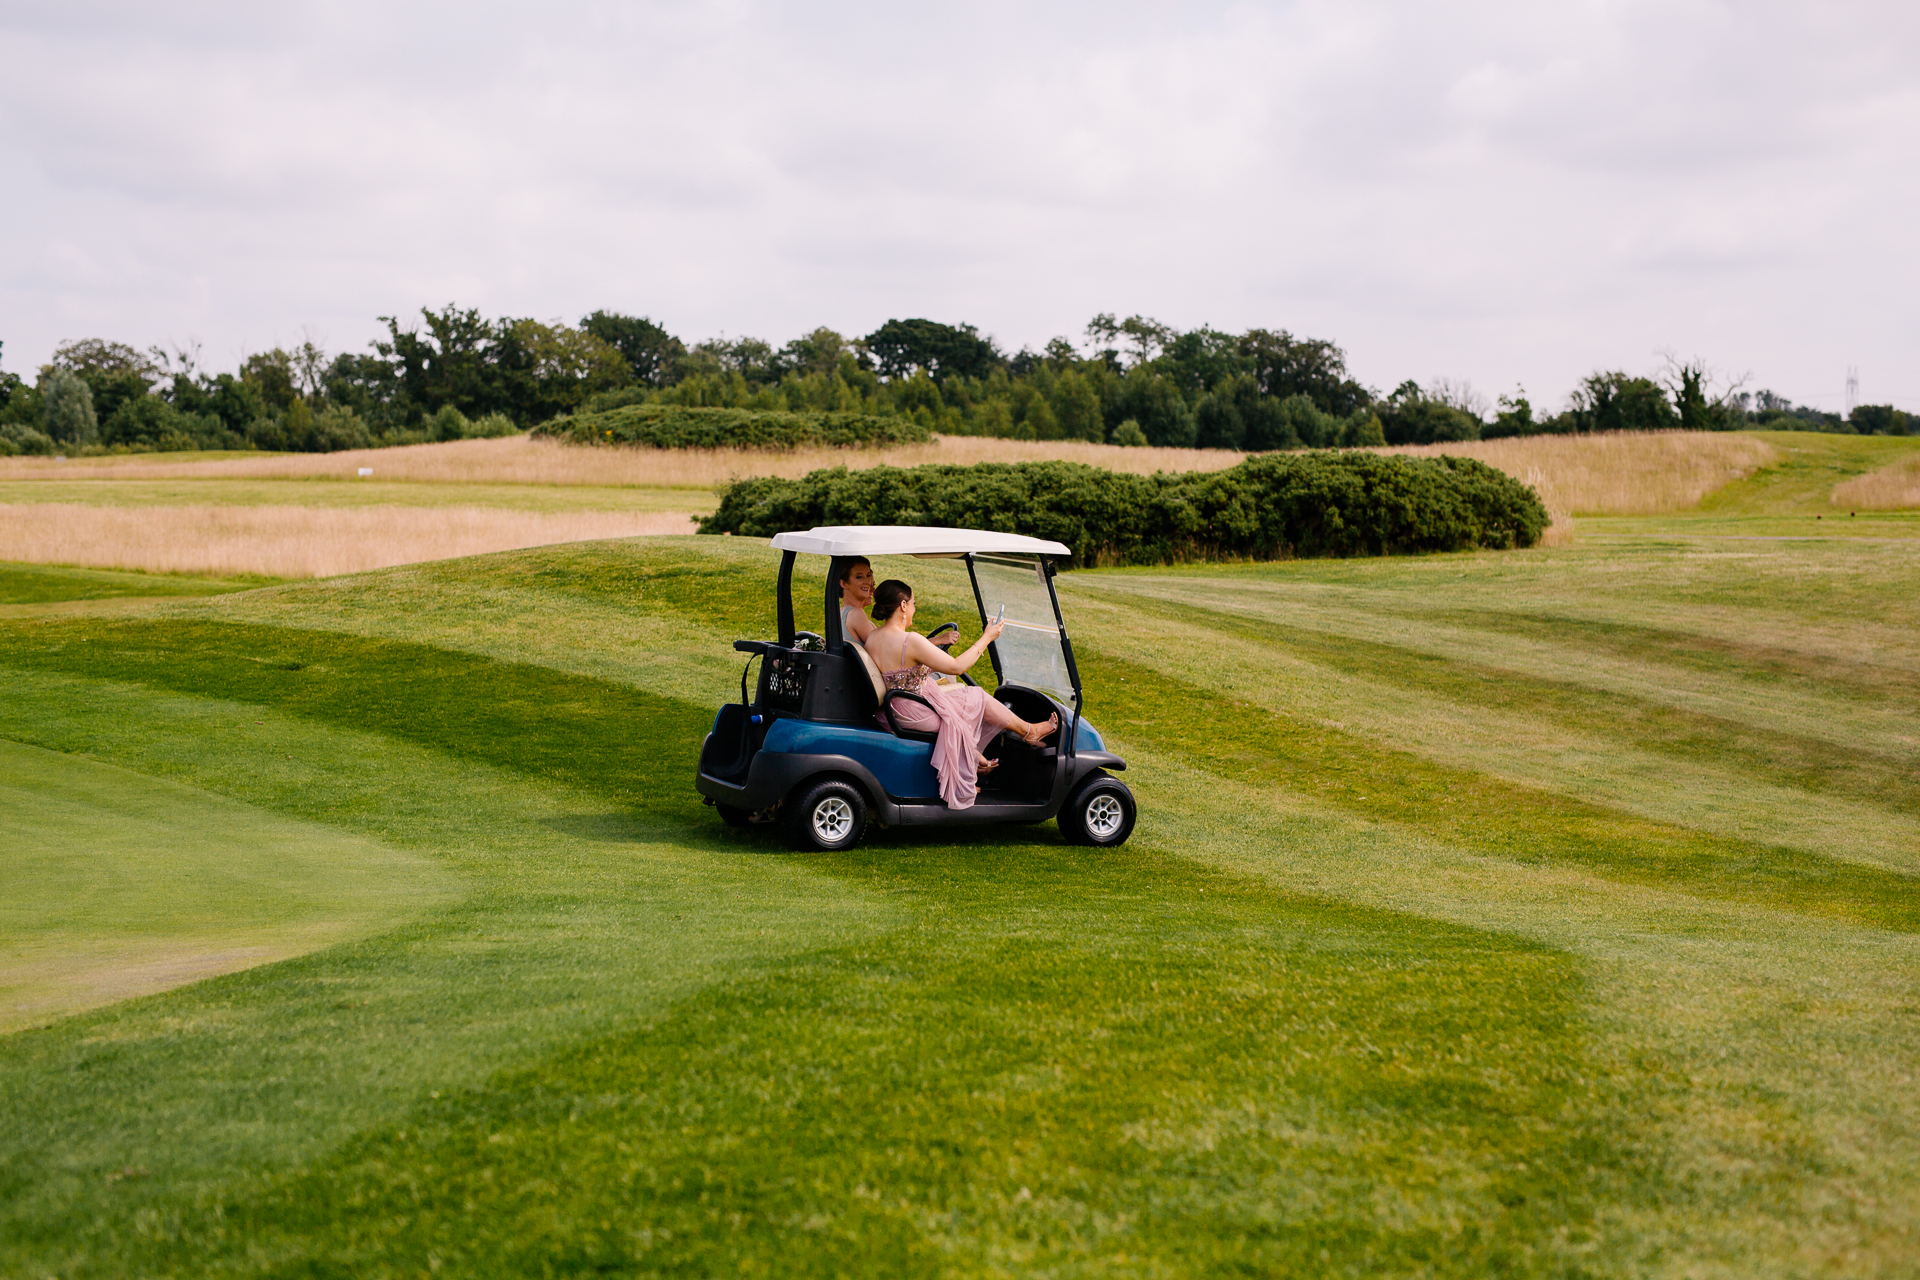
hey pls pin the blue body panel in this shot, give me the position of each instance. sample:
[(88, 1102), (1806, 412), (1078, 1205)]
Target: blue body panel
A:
[(903, 767)]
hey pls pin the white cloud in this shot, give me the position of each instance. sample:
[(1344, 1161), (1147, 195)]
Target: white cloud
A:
[(1499, 191)]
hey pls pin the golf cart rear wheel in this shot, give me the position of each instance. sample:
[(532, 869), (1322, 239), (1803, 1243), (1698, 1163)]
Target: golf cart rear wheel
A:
[(828, 817), (1100, 812)]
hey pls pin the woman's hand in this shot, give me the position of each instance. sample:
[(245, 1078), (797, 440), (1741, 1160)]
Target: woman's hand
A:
[(922, 650)]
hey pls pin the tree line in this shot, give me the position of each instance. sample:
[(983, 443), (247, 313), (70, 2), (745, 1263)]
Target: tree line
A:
[(454, 374)]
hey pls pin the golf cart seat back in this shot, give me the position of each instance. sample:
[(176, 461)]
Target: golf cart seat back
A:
[(884, 698)]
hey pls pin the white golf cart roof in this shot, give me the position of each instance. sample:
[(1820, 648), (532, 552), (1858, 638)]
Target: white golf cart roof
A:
[(913, 540)]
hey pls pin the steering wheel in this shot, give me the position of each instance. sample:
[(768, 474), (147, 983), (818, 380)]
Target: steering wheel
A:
[(947, 644)]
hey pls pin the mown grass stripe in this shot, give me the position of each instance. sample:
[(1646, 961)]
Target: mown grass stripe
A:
[(1781, 758), (1875, 684), (1069, 1060), (532, 719), (1248, 743), (1174, 1063)]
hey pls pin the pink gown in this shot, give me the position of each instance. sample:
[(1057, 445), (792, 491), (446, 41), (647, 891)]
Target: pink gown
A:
[(967, 718)]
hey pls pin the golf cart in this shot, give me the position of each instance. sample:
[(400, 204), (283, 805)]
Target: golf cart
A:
[(816, 748)]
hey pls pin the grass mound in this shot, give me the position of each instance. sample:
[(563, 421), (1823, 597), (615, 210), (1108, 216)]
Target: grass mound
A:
[(672, 426), (1273, 506)]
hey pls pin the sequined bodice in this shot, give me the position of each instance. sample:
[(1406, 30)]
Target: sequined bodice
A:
[(909, 679)]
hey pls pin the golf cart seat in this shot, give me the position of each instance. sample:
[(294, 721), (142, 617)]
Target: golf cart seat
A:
[(884, 698)]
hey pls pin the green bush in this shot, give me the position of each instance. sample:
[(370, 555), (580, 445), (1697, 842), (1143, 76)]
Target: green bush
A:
[(451, 424), (448, 424), (491, 426), (669, 426), (18, 438), (332, 431), (1270, 507)]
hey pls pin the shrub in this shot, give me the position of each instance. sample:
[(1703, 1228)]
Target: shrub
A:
[(451, 424), (666, 426), (144, 422), (1880, 420), (18, 438), (1269, 507), (491, 427), (334, 430), (448, 424)]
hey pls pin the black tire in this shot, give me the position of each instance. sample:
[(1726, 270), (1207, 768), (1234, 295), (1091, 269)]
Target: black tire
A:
[(1099, 812), (733, 815), (825, 817)]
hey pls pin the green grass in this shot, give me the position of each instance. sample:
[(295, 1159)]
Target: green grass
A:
[(1546, 913), (533, 720), (32, 584), (1067, 1061), (1801, 482), (119, 884), (578, 918), (1791, 497)]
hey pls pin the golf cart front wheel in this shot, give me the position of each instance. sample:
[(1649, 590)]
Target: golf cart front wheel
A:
[(1100, 812), (828, 817)]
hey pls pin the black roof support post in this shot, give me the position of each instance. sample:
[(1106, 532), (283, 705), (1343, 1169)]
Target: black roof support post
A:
[(786, 600), (837, 569)]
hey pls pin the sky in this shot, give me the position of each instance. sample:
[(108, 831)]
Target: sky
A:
[(1510, 194)]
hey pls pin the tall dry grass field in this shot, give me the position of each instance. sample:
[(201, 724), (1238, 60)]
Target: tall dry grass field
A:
[(1892, 488), (529, 460), (294, 542), (1624, 473)]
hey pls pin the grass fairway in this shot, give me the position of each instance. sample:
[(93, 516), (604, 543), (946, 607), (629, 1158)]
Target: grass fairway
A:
[(30, 584), (119, 885), (1547, 913)]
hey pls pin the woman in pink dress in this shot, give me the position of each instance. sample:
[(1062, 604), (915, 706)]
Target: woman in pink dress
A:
[(965, 716)]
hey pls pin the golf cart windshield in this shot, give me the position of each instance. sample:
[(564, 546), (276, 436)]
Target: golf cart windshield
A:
[(1030, 651)]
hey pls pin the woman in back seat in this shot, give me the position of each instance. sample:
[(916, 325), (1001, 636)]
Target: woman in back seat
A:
[(856, 597), (965, 716)]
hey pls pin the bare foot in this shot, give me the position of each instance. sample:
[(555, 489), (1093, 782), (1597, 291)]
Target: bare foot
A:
[(1037, 734), (986, 765)]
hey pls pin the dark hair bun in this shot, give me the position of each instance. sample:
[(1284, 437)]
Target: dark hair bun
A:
[(887, 598)]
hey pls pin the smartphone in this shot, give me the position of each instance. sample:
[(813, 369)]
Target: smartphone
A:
[(1002, 615)]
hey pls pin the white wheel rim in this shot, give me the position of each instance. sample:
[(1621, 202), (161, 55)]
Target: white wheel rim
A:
[(832, 819), (1104, 816)]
